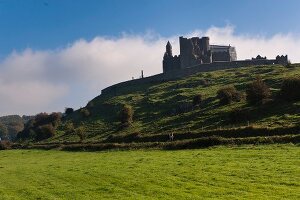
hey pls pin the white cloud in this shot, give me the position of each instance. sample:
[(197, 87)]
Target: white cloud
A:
[(35, 81), (248, 46)]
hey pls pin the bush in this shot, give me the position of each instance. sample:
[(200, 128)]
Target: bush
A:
[(80, 132), (45, 132), (197, 99), (238, 115), (85, 112), (126, 115), (90, 104), (69, 127), (228, 94), (69, 111), (42, 126), (4, 144), (290, 89), (3, 131), (257, 91), (55, 118)]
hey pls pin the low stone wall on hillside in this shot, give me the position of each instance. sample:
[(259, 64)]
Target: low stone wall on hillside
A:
[(177, 74)]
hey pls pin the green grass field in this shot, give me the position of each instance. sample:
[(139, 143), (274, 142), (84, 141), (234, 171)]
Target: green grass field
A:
[(245, 172)]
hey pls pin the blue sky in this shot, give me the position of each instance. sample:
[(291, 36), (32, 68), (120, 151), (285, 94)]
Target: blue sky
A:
[(62, 53), (41, 24)]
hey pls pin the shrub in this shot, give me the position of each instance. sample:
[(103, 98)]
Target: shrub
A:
[(4, 144), (238, 115), (55, 118), (42, 126), (80, 132), (69, 111), (290, 89), (228, 94), (197, 99), (85, 112), (257, 91), (126, 115), (90, 104), (69, 127), (3, 131), (44, 132)]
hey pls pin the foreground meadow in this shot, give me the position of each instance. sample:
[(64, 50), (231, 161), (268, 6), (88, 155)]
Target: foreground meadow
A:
[(246, 172)]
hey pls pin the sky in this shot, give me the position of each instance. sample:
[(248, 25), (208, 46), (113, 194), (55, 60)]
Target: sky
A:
[(56, 54)]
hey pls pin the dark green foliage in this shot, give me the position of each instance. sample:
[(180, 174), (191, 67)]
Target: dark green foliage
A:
[(80, 132), (257, 91), (44, 131), (3, 131), (290, 89), (69, 127), (5, 144), (69, 111), (228, 95), (41, 127), (238, 115), (197, 99), (90, 104), (43, 118), (126, 115), (85, 112), (11, 125)]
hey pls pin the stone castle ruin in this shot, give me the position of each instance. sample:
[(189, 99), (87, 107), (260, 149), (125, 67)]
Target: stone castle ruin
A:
[(197, 55), (196, 51)]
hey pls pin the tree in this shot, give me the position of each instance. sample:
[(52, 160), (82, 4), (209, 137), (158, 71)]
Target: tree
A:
[(126, 115), (290, 89), (197, 99), (69, 127), (85, 112), (257, 91), (80, 132), (45, 132), (228, 94), (69, 111), (3, 131)]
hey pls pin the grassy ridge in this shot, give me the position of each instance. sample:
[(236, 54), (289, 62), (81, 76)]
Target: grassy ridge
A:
[(247, 172), (155, 105)]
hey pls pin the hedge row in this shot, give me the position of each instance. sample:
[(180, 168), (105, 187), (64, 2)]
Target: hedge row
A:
[(183, 144), (226, 133)]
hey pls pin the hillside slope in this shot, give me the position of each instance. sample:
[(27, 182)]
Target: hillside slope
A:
[(166, 107)]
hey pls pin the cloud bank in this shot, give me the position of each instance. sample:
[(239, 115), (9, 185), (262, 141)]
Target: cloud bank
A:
[(33, 81)]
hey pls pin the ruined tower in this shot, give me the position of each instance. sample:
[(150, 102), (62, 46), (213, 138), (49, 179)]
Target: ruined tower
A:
[(170, 62), (168, 49)]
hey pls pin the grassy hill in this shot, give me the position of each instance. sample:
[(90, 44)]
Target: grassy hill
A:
[(166, 107)]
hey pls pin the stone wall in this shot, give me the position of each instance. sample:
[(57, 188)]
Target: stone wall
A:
[(177, 74)]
